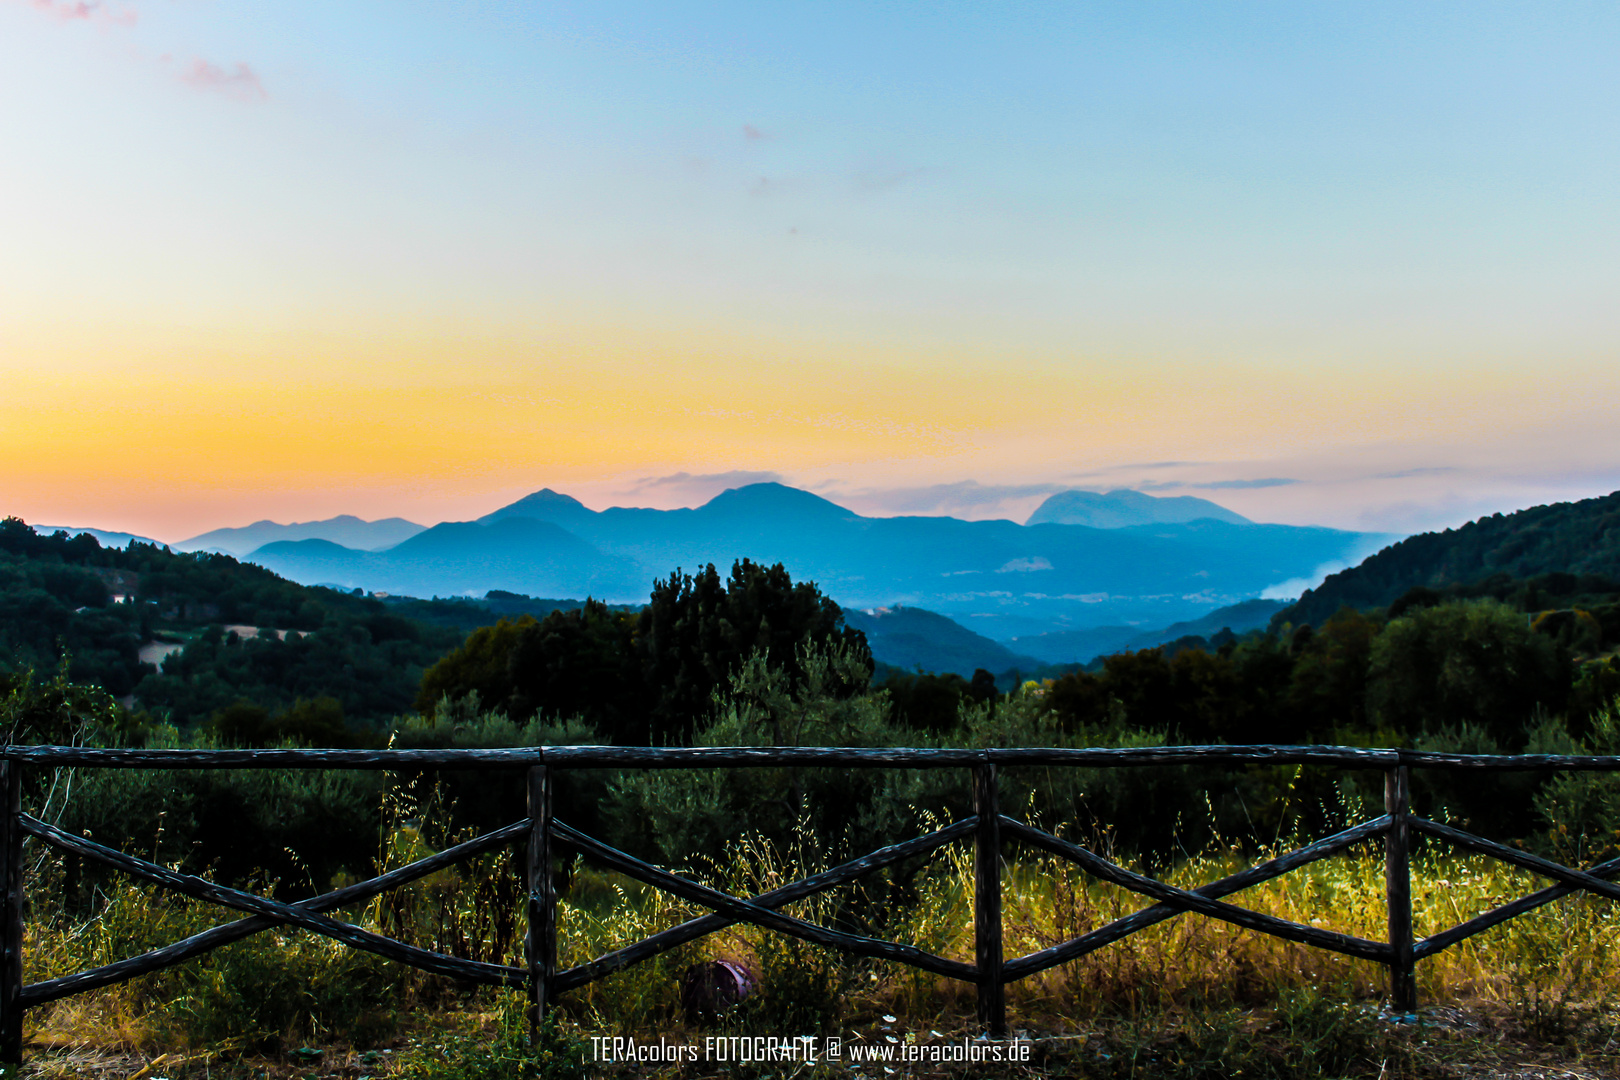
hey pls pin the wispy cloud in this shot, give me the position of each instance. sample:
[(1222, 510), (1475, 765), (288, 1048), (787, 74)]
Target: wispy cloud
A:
[(1133, 466), (962, 498), (734, 478), (239, 82), (754, 134), (691, 489), (87, 11), (1430, 470), (1215, 485)]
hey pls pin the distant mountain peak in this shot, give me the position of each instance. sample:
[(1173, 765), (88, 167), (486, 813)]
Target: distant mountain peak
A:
[(1122, 508), (543, 505), (771, 497)]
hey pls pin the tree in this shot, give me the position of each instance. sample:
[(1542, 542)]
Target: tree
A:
[(696, 632), (1465, 663), (648, 677), (581, 663), (482, 663)]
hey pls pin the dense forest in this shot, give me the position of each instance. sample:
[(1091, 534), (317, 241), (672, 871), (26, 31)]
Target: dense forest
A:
[(754, 657), (1577, 542), (221, 634)]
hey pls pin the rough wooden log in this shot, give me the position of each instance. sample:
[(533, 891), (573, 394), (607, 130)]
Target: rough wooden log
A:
[(1424, 759), (1100, 867), (701, 757), (1496, 916), (1140, 756), (744, 911), (987, 948), (1075, 948), (776, 898), (541, 941), (1545, 867), (1398, 889), (12, 1003), (213, 938), (348, 933)]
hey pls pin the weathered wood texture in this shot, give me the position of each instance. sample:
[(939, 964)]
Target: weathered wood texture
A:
[(704, 757), (746, 911), (11, 908), (787, 894), (1499, 915), (541, 942), (197, 944), (1580, 879), (203, 889), (990, 971), (1398, 888), (987, 942), (1100, 867), (1075, 948)]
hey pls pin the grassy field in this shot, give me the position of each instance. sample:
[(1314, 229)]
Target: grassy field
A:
[(1190, 997)]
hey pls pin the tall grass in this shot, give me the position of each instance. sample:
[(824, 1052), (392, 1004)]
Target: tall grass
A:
[(285, 988)]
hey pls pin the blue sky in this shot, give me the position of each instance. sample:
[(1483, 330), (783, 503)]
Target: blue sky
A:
[(298, 259)]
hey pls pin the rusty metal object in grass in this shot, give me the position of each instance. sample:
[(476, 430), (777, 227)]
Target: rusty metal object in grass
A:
[(712, 987)]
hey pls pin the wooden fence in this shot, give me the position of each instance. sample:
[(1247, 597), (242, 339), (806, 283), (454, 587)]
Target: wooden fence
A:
[(987, 827)]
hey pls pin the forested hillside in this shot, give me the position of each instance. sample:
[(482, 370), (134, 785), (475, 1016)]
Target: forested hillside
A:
[(227, 632), (1579, 542)]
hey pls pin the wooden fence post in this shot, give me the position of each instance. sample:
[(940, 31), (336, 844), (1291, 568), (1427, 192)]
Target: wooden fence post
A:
[(11, 922), (987, 901), (541, 943), (1398, 888)]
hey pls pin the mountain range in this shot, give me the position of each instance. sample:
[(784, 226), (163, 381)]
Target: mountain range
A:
[(1069, 646), (1002, 578), (345, 530)]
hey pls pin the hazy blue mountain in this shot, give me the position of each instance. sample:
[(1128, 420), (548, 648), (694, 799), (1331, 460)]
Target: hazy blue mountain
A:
[(103, 537), (465, 558), (345, 529), (1077, 646), (1239, 618), (911, 638), (544, 505), (1009, 579), (1083, 646), (1122, 508)]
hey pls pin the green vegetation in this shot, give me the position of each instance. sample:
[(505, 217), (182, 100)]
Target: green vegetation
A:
[(69, 599), (1188, 998), (1563, 550), (757, 659), (257, 658), (644, 678)]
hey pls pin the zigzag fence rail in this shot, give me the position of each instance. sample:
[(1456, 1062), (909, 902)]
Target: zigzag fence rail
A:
[(987, 827)]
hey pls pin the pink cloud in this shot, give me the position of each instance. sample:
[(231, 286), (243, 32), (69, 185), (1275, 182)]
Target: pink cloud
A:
[(753, 134), (240, 83), (87, 10)]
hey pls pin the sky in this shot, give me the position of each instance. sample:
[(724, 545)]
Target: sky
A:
[(1349, 265)]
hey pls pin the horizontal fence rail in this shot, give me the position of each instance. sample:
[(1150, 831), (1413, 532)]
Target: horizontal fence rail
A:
[(988, 829)]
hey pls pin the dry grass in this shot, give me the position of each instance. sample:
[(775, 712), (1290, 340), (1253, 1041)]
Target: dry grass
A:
[(1185, 987)]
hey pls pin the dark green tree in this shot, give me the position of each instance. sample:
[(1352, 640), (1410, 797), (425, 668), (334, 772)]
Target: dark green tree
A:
[(697, 631), (1473, 663)]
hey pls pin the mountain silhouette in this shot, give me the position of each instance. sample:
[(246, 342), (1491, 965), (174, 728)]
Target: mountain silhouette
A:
[(911, 638), (1010, 579), (1122, 508), (345, 529)]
